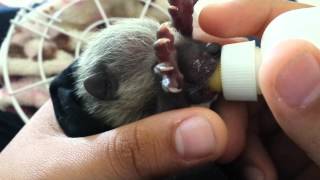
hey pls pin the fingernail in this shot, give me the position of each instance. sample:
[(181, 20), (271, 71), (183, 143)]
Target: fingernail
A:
[(197, 31), (200, 5), (194, 138), (252, 173), (298, 84)]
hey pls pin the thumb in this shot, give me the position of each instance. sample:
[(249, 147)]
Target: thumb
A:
[(163, 144), (290, 82)]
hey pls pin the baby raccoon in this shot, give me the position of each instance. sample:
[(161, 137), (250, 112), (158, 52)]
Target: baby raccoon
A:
[(129, 71), (117, 79)]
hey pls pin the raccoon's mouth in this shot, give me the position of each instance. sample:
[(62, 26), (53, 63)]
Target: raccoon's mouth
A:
[(196, 82)]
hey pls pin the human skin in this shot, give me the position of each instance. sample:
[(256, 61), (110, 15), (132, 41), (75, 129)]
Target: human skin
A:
[(289, 79), (151, 147), (161, 144)]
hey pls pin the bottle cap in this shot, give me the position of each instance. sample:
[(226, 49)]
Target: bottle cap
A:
[(238, 71)]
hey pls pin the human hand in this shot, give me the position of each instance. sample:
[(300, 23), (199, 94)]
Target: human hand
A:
[(152, 147), (289, 80)]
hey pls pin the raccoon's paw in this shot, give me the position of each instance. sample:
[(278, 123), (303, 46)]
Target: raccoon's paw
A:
[(167, 67), (181, 12)]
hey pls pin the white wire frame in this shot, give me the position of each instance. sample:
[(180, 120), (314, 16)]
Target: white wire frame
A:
[(4, 51)]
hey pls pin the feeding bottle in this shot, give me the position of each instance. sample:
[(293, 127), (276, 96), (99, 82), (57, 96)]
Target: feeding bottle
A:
[(240, 62)]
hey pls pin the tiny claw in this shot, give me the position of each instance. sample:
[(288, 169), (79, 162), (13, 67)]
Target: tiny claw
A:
[(165, 32), (163, 47), (173, 10), (163, 67), (162, 43), (169, 86), (167, 67), (174, 90)]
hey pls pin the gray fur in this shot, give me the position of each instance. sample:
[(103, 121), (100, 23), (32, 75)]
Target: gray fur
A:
[(126, 48)]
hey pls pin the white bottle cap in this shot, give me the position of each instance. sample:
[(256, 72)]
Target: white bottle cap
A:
[(239, 71)]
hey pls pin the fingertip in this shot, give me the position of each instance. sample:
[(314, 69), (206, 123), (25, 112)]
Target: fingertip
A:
[(212, 19), (217, 127), (234, 18), (279, 86), (290, 83), (287, 63), (198, 131)]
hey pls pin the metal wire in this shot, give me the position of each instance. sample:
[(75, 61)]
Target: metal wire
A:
[(4, 54), (102, 13)]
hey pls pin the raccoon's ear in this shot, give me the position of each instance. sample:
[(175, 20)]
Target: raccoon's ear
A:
[(103, 85)]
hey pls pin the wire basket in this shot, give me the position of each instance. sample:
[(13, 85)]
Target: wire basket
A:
[(41, 22)]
